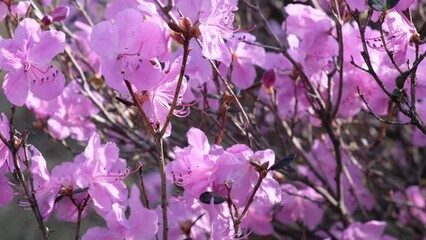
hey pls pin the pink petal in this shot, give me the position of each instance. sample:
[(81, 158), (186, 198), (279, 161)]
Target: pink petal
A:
[(243, 74), (16, 87), (58, 130), (27, 30), (51, 43), (6, 191), (51, 88), (105, 47)]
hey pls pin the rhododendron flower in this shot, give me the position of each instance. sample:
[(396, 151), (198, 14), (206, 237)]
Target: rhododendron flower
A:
[(126, 53), (319, 157), (243, 70), (312, 27), (300, 205), (259, 219), (5, 154), (69, 114), (153, 187), (216, 25), (6, 190), (364, 231), (101, 171), (156, 101), (234, 167), (141, 224), (18, 9), (194, 164), (98, 171), (187, 219), (399, 33), (27, 59), (200, 167), (416, 198)]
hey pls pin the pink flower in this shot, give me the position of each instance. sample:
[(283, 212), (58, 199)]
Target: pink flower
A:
[(101, 171), (6, 190), (97, 172), (187, 218), (156, 101), (300, 205), (194, 164), (115, 6), (311, 27), (141, 223), (367, 231), (320, 156), (153, 187), (27, 59), (399, 32), (69, 114), (259, 219), (126, 53), (48, 187), (5, 154), (216, 25), (234, 168), (416, 197), (81, 48), (243, 70), (18, 9)]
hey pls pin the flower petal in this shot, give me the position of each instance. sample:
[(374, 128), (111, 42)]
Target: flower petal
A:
[(16, 87), (50, 88)]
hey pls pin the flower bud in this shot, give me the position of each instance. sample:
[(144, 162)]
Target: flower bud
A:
[(174, 27), (177, 37), (60, 13), (195, 31), (185, 23), (268, 80), (47, 20)]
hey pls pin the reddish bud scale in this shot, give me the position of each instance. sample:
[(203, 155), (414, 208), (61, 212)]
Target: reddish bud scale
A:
[(186, 24)]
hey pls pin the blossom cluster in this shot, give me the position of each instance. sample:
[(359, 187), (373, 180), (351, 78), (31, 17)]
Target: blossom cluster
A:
[(272, 136)]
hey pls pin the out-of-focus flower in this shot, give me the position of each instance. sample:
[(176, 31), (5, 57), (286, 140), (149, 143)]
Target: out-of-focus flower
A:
[(300, 205), (69, 114), (141, 223), (364, 231), (243, 71)]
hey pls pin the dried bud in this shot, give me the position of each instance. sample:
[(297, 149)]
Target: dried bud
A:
[(415, 38), (17, 142), (177, 37), (39, 124), (195, 32), (174, 27), (185, 226), (185, 23)]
